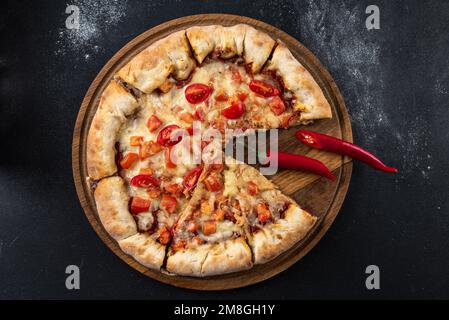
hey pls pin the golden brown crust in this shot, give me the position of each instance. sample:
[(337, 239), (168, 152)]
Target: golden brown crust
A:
[(277, 237), (112, 201), (145, 249), (258, 46), (309, 98), (115, 104), (210, 259), (151, 67)]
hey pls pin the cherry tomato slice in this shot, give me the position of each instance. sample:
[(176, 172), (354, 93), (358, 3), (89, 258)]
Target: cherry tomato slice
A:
[(139, 205), (235, 111), (197, 92), (191, 177), (264, 89), (164, 138), (144, 181)]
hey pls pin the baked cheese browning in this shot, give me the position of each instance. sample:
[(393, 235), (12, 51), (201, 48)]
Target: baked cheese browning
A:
[(115, 105)]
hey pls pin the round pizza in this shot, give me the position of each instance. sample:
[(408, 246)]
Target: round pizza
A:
[(164, 188)]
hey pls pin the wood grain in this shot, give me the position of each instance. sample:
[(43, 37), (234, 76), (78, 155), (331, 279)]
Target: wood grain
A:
[(317, 195)]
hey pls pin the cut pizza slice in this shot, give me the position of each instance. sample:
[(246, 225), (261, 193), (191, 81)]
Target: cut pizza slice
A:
[(210, 236)]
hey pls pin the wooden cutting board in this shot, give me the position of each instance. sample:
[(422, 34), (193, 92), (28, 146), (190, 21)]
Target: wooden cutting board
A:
[(317, 195)]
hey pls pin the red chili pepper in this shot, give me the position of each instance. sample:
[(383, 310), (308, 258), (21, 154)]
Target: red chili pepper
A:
[(303, 163), (335, 145)]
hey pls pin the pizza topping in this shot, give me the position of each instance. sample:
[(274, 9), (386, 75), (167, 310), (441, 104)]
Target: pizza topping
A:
[(191, 177), (197, 241), (144, 181), (263, 213), (166, 136), (168, 203), (154, 192), (236, 76), (149, 148), (339, 146), (174, 189), (164, 236), (153, 123), (148, 171), (277, 106), (192, 226), (179, 245), (222, 96), (219, 214), (209, 227), (128, 160), (197, 93), (213, 182), (242, 96), (168, 160), (135, 141), (264, 89), (199, 114), (139, 204), (206, 208), (252, 188), (235, 111), (187, 117)]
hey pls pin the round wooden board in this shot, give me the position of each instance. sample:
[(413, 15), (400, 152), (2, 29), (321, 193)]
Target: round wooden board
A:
[(317, 195)]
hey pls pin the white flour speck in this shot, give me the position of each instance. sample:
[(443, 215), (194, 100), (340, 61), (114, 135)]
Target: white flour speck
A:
[(96, 18)]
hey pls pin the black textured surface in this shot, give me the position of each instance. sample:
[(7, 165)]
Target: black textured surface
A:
[(395, 82)]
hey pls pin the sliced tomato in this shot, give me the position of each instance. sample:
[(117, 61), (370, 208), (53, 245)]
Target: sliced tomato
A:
[(146, 171), (209, 227), (252, 188), (164, 236), (187, 117), (191, 177), (277, 106), (221, 96), (199, 114), (135, 141), (173, 188), (149, 148), (264, 89), (154, 192), (192, 226), (128, 160), (235, 111), (213, 182), (144, 181), (263, 213), (168, 160), (164, 138), (153, 123), (242, 95), (197, 93), (168, 203), (139, 204)]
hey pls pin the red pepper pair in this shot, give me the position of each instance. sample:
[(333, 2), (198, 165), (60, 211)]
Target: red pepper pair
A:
[(327, 143)]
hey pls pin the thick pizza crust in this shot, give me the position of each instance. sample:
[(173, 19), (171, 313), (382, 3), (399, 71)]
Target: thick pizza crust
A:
[(211, 259), (112, 200), (115, 105), (309, 98), (145, 249), (275, 238), (226, 42), (151, 67)]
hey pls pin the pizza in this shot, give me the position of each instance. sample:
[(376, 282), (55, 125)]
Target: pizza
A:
[(164, 189)]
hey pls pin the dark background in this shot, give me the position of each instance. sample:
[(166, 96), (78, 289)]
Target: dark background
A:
[(395, 82)]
